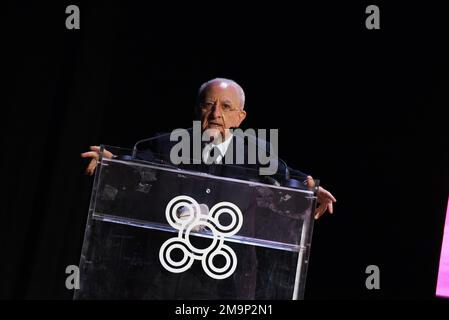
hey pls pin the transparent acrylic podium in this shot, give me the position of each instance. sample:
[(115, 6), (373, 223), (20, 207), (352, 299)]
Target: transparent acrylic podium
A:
[(158, 231)]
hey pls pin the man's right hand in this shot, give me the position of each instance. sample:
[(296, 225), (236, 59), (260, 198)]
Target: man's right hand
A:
[(94, 154)]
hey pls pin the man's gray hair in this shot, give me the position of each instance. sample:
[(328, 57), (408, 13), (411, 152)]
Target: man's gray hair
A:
[(227, 81)]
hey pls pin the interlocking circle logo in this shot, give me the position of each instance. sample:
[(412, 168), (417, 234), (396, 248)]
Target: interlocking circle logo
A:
[(186, 215)]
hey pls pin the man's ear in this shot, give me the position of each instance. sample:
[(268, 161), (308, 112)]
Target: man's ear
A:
[(242, 116)]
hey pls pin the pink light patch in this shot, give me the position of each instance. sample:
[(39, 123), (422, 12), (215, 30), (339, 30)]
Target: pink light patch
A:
[(443, 272)]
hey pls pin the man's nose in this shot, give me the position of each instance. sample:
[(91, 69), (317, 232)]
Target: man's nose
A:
[(216, 111)]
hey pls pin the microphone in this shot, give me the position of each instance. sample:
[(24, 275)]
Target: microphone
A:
[(139, 144), (142, 142)]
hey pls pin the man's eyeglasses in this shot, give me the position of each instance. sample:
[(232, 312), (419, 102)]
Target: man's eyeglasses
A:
[(207, 106)]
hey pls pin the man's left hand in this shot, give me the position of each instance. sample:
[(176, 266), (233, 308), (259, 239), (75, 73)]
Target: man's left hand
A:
[(324, 198)]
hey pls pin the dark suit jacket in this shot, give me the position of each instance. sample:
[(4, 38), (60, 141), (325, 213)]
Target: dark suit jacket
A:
[(158, 149)]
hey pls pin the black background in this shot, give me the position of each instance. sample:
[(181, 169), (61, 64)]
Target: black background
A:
[(363, 111)]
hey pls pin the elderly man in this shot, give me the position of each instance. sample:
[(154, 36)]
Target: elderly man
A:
[(220, 107)]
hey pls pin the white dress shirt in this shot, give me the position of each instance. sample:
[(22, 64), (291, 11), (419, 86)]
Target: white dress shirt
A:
[(221, 147)]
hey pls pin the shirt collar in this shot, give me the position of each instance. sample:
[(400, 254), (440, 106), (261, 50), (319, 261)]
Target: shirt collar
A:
[(222, 147)]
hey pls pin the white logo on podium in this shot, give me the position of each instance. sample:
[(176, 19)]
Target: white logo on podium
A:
[(186, 215)]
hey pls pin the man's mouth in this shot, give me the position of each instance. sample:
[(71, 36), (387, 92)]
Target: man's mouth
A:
[(214, 125)]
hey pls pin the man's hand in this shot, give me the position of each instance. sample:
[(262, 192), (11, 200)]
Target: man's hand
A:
[(95, 155), (324, 198)]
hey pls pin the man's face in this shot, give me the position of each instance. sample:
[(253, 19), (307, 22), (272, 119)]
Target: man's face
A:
[(220, 108)]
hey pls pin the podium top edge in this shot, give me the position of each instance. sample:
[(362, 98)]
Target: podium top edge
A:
[(203, 174)]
